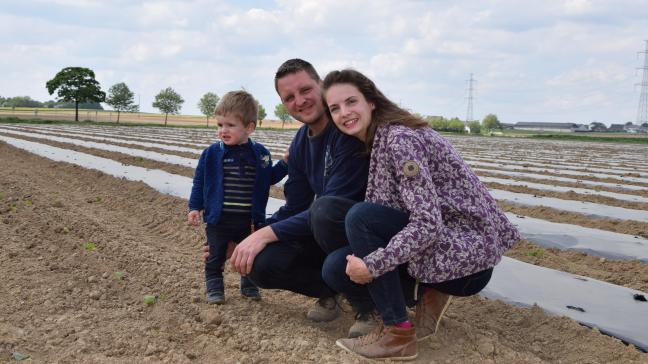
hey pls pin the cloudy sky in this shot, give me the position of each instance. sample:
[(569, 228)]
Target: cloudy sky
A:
[(552, 61)]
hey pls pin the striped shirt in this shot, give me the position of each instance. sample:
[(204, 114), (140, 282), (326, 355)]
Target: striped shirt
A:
[(239, 171)]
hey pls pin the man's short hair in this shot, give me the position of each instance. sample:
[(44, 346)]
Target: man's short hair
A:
[(240, 104), (293, 66)]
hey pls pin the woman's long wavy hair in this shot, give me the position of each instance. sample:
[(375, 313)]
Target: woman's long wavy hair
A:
[(385, 112)]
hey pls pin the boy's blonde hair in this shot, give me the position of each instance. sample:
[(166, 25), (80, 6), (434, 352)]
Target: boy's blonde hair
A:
[(240, 104)]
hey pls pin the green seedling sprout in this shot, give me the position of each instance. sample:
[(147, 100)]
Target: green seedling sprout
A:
[(29, 202), (118, 276), (149, 299), (2, 195), (19, 356), (536, 253), (89, 246)]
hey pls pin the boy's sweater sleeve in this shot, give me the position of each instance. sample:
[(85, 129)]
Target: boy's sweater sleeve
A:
[(279, 171), (196, 198)]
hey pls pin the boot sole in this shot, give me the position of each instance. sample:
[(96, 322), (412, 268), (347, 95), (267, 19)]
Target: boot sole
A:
[(436, 328), (400, 358)]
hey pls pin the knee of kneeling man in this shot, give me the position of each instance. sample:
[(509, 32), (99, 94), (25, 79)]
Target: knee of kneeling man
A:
[(320, 207)]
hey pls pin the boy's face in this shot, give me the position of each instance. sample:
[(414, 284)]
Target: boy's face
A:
[(232, 131)]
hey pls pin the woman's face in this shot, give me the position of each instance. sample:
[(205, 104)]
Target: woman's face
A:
[(350, 110)]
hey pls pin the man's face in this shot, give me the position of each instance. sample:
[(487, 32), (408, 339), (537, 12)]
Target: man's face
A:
[(302, 97)]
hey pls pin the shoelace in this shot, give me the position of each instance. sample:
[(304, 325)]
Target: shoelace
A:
[(372, 336)]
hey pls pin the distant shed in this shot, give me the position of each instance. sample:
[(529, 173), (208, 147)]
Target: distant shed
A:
[(537, 126)]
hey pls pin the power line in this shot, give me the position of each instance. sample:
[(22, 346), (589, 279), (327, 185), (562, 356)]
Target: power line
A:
[(469, 110), (642, 109)]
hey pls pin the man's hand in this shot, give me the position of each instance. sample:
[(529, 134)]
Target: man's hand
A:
[(193, 218), (357, 270), (243, 256)]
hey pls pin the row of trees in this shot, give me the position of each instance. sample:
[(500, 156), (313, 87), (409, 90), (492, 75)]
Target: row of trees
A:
[(26, 101), (78, 85), (455, 125)]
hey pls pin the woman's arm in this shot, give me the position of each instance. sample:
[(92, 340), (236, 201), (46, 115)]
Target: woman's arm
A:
[(407, 156)]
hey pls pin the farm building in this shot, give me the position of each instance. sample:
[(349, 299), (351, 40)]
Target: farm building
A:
[(559, 127)]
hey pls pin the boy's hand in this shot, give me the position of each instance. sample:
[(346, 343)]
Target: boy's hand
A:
[(193, 218), (285, 157), (205, 252)]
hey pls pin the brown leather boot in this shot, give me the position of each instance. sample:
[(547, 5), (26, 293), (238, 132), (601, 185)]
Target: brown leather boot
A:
[(385, 342), (429, 311)]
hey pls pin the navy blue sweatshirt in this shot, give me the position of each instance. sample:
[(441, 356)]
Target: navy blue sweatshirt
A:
[(329, 164)]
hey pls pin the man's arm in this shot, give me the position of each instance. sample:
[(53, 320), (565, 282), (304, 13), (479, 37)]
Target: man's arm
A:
[(346, 177)]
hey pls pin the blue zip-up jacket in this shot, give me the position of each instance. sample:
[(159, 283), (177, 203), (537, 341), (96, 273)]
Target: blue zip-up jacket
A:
[(207, 191), (329, 164)]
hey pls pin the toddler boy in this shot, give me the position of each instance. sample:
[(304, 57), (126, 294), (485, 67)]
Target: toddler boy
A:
[(231, 186)]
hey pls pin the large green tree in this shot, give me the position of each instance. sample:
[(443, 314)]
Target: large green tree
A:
[(456, 126), (475, 127), (281, 111), (121, 98), (261, 114), (491, 122), (169, 102), (207, 104), (76, 84)]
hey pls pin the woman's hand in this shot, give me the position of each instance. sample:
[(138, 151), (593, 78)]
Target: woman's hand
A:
[(357, 270)]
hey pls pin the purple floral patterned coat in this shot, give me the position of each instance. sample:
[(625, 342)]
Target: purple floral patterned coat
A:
[(455, 227)]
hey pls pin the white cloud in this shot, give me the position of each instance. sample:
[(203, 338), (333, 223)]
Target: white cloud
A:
[(560, 61), (577, 6)]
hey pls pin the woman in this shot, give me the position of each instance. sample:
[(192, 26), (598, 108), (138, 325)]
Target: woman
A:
[(428, 226)]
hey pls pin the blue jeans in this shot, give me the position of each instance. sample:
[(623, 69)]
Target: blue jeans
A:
[(295, 266), (368, 227), (231, 227)]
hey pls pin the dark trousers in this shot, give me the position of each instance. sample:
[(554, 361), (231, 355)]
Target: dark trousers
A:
[(295, 266), (368, 227), (230, 227)]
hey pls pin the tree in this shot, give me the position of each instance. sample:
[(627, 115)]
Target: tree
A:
[(169, 102), (76, 84), (20, 101), (282, 113), (438, 123), (121, 98), (491, 122), (207, 104), (261, 114), (474, 126), (455, 125)]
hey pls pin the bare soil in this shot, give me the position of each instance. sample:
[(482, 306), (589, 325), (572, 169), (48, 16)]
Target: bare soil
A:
[(81, 249)]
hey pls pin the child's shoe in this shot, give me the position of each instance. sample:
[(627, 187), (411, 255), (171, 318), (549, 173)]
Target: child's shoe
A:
[(249, 290), (216, 297)]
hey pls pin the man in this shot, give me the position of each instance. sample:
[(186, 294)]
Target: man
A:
[(322, 162)]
